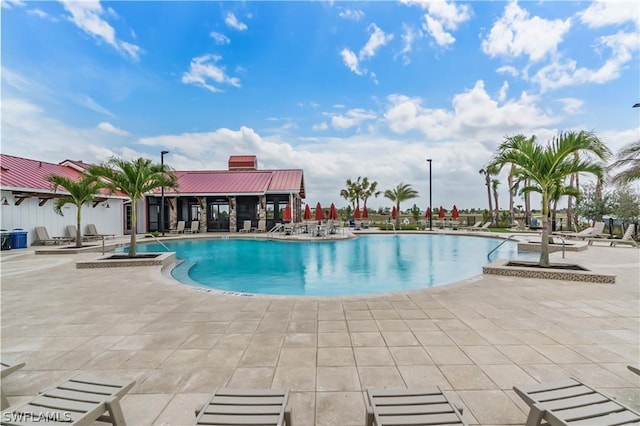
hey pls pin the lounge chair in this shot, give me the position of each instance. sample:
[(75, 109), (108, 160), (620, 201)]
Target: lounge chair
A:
[(411, 407), (484, 227), (8, 367), (262, 226), (246, 407), (594, 232), (627, 238), (246, 227), (81, 400), (288, 229), (195, 227), (92, 231), (42, 237), (72, 232), (179, 228), (572, 402)]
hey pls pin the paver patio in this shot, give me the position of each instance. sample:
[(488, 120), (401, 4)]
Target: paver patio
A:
[(476, 339)]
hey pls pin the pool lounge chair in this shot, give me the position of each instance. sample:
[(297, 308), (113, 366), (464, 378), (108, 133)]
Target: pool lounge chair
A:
[(8, 367), (411, 407), (246, 407), (92, 231), (594, 232), (179, 228), (627, 238), (262, 226), (195, 227), (81, 400), (42, 237), (484, 227), (572, 402), (72, 232), (246, 227)]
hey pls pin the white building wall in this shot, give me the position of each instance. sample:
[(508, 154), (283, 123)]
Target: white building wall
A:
[(29, 214)]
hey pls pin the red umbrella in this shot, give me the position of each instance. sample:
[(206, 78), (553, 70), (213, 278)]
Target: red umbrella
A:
[(307, 213), (333, 212), (454, 213), (319, 212), (441, 213), (356, 214), (286, 216), (394, 212), (365, 213), (428, 212)]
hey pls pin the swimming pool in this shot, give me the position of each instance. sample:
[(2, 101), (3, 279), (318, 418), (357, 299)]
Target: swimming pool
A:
[(367, 264)]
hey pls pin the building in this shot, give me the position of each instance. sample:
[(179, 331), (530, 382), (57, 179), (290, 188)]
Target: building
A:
[(221, 200)]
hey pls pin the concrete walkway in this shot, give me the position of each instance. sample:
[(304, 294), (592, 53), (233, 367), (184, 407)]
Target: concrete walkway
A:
[(476, 339)]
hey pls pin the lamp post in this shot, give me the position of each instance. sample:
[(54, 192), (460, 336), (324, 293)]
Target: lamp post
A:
[(430, 206), (162, 154)]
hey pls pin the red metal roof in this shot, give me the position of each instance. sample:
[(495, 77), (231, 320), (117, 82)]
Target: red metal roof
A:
[(221, 182), (287, 181), (23, 174), (243, 162)]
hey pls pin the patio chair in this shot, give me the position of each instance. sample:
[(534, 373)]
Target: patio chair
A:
[(287, 229), (92, 231), (195, 227), (81, 400), (572, 402), (262, 226), (411, 407), (484, 227), (42, 237), (592, 232), (72, 232), (627, 238), (179, 228), (246, 407), (246, 227), (8, 367)]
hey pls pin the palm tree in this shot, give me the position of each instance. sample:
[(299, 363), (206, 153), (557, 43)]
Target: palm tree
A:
[(134, 178), (402, 192), (488, 171), (352, 192), (368, 191), (628, 159), (511, 194), (547, 166), (494, 188), (80, 191)]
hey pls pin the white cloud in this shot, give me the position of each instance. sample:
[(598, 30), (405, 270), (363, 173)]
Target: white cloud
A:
[(502, 94), (567, 73), (203, 69), (219, 38), (320, 127), (90, 103), (86, 15), (434, 28), (351, 118), (409, 35), (516, 34), (571, 105), (603, 13), (351, 61), (110, 128), (377, 39), (442, 18), (233, 22), (9, 4), (41, 14), (352, 14), (508, 69)]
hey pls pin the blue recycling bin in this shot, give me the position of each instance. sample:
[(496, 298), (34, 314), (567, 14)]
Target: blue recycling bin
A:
[(18, 239)]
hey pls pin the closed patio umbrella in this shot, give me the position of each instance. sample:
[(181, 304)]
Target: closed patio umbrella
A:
[(319, 212), (454, 213), (365, 213), (441, 213), (333, 212), (394, 213), (356, 214), (427, 214), (286, 216), (307, 213)]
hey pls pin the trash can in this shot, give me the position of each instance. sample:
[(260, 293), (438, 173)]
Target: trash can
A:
[(5, 239), (19, 238)]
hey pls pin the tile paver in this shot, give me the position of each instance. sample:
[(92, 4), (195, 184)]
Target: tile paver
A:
[(475, 340)]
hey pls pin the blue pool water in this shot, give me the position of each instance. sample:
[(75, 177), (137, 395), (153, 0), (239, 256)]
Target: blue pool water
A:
[(367, 264)]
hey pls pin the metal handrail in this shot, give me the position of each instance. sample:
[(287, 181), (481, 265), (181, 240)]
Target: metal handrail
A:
[(498, 246), (158, 241)]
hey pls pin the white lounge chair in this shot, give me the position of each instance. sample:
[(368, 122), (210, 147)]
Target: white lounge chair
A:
[(179, 228), (246, 227), (8, 367), (572, 402), (246, 407), (411, 407), (81, 400), (262, 226), (195, 227), (627, 238), (484, 227), (594, 232)]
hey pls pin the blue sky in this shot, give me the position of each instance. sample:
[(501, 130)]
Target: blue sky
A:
[(340, 89)]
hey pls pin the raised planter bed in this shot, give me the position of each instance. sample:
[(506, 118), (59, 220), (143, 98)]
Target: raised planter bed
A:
[(119, 260), (557, 271)]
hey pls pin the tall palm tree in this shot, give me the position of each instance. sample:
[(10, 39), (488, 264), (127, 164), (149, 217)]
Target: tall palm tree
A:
[(134, 178), (400, 193), (547, 167), (511, 194), (488, 171), (628, 162), (353, 192), (80, 191), (368, 191), (494, 188)]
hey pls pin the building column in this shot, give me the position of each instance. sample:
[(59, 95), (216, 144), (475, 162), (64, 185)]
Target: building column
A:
[(233, 219), (202, 201), (262, 211), (173, 212)]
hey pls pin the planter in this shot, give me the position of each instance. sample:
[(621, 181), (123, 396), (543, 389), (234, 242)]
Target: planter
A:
[(120, 260), (556, 271)]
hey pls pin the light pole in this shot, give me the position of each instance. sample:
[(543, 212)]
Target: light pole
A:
[(162, 154), (430, 206)]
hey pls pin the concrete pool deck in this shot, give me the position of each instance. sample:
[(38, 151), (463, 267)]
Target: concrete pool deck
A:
[(476, 338)]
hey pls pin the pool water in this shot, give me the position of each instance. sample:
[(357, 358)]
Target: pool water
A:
[(367, 264)]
